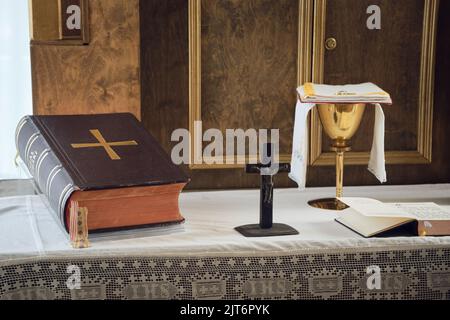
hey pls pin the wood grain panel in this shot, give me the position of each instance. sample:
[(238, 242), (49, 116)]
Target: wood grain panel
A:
[(165, 67), (249, 65), (165, 84), (98, 78), (389, 57), (439, 170), (164, 61)]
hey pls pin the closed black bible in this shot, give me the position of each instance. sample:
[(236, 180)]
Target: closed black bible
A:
[(106, 163)]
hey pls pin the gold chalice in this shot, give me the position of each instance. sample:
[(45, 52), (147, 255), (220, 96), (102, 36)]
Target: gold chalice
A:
[(340, 122)]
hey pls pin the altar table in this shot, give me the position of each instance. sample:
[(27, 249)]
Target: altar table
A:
[(207, 259)]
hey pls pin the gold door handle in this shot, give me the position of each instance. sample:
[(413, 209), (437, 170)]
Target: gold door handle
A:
[(330, 44)]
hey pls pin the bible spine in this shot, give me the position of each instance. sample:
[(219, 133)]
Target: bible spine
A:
[(45, 167)]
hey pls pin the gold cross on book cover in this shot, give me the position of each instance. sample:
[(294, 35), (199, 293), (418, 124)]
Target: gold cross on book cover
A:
[(102, 143)]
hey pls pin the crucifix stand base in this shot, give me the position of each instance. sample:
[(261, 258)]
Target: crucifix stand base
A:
[(255, 231)]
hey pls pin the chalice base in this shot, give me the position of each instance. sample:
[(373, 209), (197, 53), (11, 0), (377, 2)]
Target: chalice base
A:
[(328, 204)]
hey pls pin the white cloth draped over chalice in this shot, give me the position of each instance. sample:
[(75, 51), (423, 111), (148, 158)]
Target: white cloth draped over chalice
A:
[(359, 94)]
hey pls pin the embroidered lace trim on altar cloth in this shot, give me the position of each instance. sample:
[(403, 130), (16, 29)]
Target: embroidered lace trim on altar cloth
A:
[(406, 274), (209, 260)]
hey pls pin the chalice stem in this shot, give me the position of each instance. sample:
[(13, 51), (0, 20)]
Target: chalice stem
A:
[(340, 121), (339, 174)]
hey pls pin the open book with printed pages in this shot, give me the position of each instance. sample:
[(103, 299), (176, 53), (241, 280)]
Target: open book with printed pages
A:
[(370, 217), (359, 93)]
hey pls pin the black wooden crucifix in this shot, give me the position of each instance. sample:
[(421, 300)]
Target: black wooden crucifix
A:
[(266, 227)]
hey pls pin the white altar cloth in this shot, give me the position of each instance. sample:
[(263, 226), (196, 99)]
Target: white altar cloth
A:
[(209, 260), (28, 230)]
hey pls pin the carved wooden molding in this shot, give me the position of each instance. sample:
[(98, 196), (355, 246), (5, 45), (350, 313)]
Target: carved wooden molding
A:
[(423, 155), (195, 104), (48, 21)]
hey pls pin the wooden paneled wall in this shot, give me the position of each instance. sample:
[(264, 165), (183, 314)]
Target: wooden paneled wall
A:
[(138, 61), (249, 65), (101, 77), (165, 67), (165, 83), (398, 72)]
